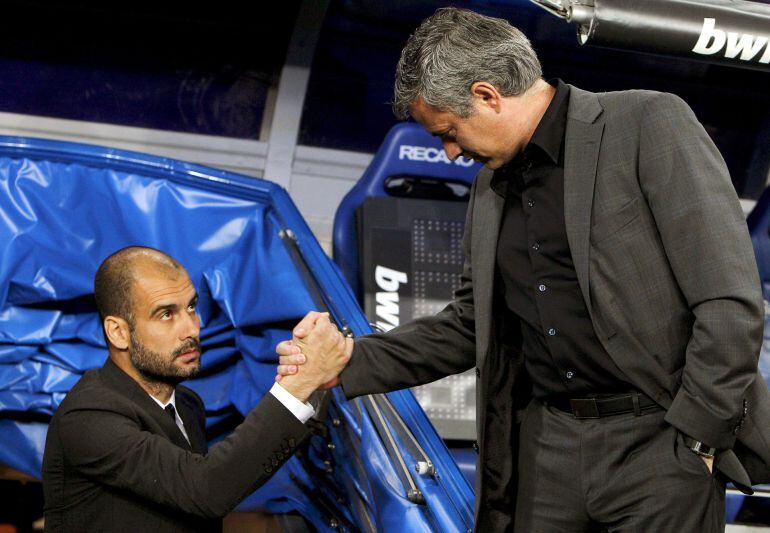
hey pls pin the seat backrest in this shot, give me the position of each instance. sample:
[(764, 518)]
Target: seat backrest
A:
[(408, 150)]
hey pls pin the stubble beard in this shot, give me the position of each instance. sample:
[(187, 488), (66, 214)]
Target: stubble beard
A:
[(157, 367)]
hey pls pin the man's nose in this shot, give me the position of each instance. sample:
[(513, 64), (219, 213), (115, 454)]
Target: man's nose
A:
[(452, 149), (191, 326)]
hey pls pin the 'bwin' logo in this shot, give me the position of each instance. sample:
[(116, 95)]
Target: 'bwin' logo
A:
[(712, 40)]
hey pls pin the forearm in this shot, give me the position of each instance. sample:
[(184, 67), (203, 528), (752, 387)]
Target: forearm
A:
[(246, 459), (721, 364), (418, 352), (112, 449), (704, 234), (722, 288)]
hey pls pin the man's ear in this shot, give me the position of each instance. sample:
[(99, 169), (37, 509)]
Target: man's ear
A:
[(117, 332), (486, 94)]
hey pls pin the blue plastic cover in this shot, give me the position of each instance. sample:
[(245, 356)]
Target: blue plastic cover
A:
[(759, 229), (408, 150), (65, 207)]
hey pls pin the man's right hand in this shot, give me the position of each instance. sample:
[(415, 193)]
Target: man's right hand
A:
[(320, 349)]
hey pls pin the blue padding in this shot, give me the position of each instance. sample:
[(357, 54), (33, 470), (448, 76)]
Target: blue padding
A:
[(759, 227), (407, 150), (64, 207), (465, 457), (22, 445), (758, 222), (733, 504), (764, 352)]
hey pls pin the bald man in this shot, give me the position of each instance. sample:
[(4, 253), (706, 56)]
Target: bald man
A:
[(126, 450)]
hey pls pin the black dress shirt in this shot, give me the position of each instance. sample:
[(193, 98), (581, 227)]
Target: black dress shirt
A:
[(562, 353)]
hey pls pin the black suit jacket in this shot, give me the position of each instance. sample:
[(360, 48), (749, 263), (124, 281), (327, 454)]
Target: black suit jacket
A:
[(115, 461)]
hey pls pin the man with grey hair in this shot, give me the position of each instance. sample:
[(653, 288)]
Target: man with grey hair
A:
[(610, 300)]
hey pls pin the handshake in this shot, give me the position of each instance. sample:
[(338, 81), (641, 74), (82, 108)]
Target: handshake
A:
[(318, 347)]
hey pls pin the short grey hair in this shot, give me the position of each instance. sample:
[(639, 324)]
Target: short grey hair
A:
[(454, 48)]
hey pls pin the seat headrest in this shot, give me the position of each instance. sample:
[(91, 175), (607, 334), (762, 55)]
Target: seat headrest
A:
[(409, 149)]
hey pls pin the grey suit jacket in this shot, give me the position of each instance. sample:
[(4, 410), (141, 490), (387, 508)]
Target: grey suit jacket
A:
[(666, 268)]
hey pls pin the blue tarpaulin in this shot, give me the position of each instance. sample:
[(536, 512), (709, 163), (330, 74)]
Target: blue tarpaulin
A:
[(65, 207)]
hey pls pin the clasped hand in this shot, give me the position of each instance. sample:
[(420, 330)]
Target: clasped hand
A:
[(318, 347)]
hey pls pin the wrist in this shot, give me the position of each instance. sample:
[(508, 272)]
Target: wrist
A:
[(698, 447), (297, 388)]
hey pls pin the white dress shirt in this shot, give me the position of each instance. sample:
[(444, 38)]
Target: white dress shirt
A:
[(302, 410), (178, 419)]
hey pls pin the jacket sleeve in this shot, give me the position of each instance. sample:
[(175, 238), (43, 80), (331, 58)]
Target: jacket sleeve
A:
[(108, 445), (422, 350), (703, 230)]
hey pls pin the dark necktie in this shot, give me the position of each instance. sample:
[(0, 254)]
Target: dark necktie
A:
[(171, 412)]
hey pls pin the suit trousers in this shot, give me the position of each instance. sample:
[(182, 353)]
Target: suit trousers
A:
[(620, 473)]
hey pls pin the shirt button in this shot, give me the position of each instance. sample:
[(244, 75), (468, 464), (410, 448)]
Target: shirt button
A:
[(542, 288), (570, 374), (536, 246), (531, 203), (551, 332)]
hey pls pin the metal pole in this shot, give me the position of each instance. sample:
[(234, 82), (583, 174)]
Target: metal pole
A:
[(292, 87)]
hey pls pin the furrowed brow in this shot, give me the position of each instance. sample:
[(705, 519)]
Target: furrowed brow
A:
[(163, 307)]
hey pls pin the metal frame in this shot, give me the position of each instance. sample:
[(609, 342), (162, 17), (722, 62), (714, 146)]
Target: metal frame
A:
[(292, 87), (453, 495)]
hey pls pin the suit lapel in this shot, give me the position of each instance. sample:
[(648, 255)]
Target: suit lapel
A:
[(125, 384), (585, 126), (487, 216)]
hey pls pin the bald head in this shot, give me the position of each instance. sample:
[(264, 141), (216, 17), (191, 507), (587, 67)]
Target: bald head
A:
[(115, 278)]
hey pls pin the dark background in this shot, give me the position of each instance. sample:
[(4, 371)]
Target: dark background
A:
[(207, 67)]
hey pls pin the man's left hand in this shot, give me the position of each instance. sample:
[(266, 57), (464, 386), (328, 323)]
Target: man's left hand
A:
[(709, 463), (317, 345)]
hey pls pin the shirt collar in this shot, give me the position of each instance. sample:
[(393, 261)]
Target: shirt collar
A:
[(548, 136), (171, 400), (549, 133)]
